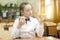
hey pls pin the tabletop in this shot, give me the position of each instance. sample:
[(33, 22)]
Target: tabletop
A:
[(43, 38)]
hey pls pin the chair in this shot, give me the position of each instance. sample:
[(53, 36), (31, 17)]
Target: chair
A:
[(10, 24), (58, 29)]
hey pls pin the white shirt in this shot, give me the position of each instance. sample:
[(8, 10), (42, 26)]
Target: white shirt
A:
[(27, 30)]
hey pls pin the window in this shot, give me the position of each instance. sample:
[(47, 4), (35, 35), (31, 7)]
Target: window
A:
[(48, 8)]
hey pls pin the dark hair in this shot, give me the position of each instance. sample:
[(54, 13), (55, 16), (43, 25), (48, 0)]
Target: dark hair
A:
[(22, 5)]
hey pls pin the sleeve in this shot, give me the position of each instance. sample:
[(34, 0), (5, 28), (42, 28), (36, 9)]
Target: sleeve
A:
[(15, 30), (39, 28)]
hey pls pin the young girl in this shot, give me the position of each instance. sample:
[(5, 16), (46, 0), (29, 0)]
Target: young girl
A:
[(25, 25)]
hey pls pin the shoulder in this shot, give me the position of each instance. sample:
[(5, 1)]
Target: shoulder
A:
[(34, 19), (17, 19)]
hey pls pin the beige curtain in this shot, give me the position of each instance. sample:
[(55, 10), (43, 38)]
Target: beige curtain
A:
[(51, 12), (41, 13), (54, 11), (58, 14)]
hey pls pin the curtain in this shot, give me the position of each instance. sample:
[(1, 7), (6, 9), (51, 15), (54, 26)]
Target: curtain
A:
[(54, 11), (50, 10)]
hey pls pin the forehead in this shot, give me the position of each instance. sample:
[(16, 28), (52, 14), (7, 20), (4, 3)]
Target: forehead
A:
[(28, 6)]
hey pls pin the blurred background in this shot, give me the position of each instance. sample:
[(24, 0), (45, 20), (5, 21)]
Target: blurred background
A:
[(47, 9)]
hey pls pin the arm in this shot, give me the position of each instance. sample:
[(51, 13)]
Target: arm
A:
[(39, 29), (15, 30)]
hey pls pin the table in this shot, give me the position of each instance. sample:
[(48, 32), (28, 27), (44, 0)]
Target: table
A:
[(43, 38), (49, 24)]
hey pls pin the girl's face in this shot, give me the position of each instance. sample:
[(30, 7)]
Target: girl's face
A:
[(27, 11)]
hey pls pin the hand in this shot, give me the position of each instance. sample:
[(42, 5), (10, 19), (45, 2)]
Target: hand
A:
[(21, 22)]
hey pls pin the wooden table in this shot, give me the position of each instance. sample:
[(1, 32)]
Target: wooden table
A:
[(43, 38), (49, 24)]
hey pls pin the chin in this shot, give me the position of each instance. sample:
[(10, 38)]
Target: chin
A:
[(27, 16)]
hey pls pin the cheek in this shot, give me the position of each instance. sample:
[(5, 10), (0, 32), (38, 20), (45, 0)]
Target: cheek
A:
[(27, 13)]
